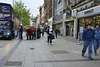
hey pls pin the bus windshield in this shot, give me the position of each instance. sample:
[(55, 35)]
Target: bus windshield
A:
[(5, 24)]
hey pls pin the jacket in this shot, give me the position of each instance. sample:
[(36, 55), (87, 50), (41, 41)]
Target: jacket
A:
[(96, 34), (88, 34)]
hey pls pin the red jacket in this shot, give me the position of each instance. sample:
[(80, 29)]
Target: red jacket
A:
[(31, 31)]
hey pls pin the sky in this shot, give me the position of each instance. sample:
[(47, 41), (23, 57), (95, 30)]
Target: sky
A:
[(33, 5)]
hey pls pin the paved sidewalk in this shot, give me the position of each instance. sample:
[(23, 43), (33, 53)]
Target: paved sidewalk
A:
[(38, 53)]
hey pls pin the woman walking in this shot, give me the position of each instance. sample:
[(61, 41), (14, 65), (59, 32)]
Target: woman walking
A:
[(50, 36), (96, 39)]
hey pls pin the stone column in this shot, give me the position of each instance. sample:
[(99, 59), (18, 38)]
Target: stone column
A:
[(75, 24)]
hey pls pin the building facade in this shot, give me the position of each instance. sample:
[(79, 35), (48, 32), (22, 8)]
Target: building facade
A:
[(58, 14), (42, 15), (85, 12)]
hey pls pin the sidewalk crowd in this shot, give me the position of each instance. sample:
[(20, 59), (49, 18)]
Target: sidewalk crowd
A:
[(90, 37)]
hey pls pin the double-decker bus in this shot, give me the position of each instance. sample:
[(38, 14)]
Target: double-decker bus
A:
[(8, 21)]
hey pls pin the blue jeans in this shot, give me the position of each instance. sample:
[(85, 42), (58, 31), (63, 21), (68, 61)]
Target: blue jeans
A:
[(86, 45), (35, 37), (19, 35), (96, 45)]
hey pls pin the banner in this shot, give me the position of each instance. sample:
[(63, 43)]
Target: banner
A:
[(68, 13), (5, 16)]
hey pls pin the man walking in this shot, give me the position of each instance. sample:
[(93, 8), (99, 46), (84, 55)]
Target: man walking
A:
[(38, 33), (88, 36), (48, 29), (96, 39), (56, 32)]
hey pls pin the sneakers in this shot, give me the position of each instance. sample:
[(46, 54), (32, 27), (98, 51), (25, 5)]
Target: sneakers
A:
[(90, 58), (95, 54), (50, 43), (83, 55)]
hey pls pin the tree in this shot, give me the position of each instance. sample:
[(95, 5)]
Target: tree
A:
[(23, 13)]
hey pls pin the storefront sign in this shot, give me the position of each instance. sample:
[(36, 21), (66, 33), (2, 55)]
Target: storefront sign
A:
[(68, 13), (5, 16), (96, 2), (89, 12)]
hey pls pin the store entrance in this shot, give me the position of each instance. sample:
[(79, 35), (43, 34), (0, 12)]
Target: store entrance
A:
[(69, 29)]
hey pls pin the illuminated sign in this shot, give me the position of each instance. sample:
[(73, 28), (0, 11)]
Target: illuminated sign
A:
[(89, 12), (5, 16), (96, 2)]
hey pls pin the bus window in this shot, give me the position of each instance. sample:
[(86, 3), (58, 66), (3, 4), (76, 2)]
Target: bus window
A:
[(5, 25)]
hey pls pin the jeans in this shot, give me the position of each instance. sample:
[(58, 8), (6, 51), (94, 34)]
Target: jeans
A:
[(86, 45), (96, 45), (19, 35), (50, 38), (34, 37), (56, 35), (30, 37)]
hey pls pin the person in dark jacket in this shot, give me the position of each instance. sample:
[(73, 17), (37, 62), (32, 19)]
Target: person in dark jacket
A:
[(21, 32), (42, 31), (20, 29), (38, 33), (48, 29), (56, 32), (34, 34), (88, 36), (50, 36), (96, 39), (27, 33)]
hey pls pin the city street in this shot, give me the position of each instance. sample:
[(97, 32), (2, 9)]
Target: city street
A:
[(38, 53)]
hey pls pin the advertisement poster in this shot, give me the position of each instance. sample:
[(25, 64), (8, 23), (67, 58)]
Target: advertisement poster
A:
[(5, 16), (6, 9), (81, 29)]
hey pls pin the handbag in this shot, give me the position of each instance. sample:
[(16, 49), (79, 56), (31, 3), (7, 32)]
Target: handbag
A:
[(53, 37)]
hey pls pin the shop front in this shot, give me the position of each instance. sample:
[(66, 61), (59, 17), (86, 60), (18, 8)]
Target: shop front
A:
[(70, 28), (90, 16), (57, 26)]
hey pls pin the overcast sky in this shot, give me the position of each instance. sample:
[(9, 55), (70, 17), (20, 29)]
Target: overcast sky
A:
[(32, 4)]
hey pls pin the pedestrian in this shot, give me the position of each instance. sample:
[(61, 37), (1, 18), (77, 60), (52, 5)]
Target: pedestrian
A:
[(88, 36), (27, 33), (56, 32), (50, 36), (34, 34), (96, 38), (38, 33), (19, 31), (42, 32), (30, 33), (48, 33)]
